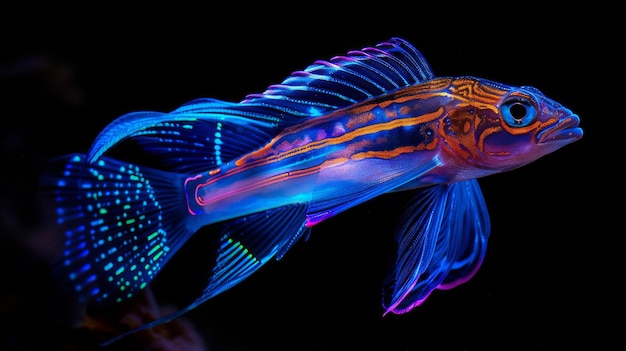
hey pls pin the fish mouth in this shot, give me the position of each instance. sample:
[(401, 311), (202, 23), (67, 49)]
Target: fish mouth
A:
[(566, 130)]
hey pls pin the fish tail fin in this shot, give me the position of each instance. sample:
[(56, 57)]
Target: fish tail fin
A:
[(121, 223)]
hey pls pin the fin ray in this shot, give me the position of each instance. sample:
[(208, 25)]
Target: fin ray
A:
[(322, 87), (441, 244), (339, 199), (246, 244), (347, 79), (158, 124), (122, 223)]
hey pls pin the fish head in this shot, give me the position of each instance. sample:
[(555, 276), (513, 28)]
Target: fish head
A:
[(524, 126)]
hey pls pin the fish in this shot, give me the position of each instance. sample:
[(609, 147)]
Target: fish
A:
[(265, 170)]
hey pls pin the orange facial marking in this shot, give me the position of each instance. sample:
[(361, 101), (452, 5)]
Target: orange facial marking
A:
[(453, 145), (479, 95), (479, 106), (487, 132), (466, 127), (524, 130)]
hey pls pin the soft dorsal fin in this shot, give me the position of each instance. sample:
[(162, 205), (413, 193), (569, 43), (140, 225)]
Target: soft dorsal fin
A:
[(194, 144), (320, 88), (192, 131)]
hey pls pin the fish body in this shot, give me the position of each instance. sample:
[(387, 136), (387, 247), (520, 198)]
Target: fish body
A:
[(268, 168), (429, 124)]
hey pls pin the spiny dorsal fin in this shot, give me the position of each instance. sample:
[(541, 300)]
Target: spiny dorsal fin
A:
[(344, 80)]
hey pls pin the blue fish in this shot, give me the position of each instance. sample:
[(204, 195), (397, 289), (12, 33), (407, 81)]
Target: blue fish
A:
[(267, 169)]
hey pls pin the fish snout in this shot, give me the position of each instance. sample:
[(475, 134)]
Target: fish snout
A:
[(567, 129)]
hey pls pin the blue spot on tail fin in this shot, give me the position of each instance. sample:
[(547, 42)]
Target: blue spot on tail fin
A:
[(121, 225)]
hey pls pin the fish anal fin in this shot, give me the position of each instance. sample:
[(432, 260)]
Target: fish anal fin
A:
[(245, 245)]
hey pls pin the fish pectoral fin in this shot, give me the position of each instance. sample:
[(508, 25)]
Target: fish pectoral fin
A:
[(245, 244), (345, 189), (441, 243)]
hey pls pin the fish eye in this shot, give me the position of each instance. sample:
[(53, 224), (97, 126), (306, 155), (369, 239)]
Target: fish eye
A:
[(518, 111)]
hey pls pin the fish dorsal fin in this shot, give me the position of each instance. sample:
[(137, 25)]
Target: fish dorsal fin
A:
[(441, 243), (188, 145), (320, 88), (344, 80)]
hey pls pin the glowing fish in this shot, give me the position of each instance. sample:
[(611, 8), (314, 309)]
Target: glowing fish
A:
[(270, 167)]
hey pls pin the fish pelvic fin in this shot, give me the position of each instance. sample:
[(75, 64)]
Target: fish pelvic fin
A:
[(121, 223), (441, 243)]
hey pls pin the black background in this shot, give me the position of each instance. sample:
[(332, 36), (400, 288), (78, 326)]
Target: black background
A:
[(551, 278)]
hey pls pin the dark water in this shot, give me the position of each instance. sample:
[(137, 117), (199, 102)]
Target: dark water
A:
[(552, 265)]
